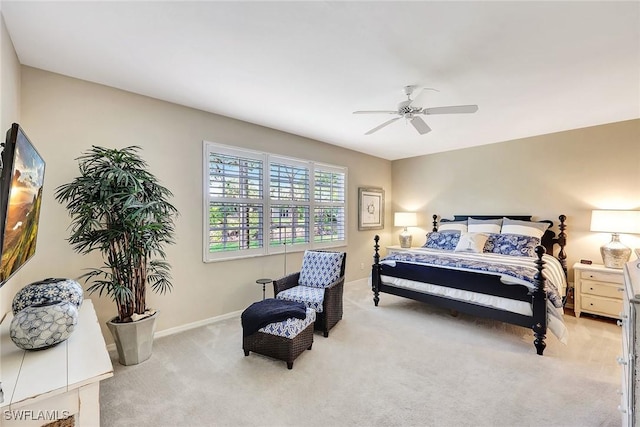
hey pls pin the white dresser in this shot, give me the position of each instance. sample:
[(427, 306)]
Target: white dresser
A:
[(630, 399), (47, 385)]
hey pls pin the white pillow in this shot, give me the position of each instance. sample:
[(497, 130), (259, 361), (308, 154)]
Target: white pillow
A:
[(471, 242), (453, 226), (484, 225), (524, 228)]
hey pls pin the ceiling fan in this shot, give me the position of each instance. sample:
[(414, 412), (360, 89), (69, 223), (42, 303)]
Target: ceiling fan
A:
[(412, 113)]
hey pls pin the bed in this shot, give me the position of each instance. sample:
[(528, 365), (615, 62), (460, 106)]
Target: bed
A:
[(511, 275)]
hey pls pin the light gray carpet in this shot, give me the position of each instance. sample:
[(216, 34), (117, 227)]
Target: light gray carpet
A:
[(403, 363)]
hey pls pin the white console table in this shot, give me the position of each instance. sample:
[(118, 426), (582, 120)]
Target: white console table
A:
[(42, 386)]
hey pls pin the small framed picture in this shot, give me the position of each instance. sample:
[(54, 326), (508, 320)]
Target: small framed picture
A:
[(370, 208)]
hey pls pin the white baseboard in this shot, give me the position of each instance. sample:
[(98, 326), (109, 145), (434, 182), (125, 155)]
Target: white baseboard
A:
[(111, 348), (166, 332)]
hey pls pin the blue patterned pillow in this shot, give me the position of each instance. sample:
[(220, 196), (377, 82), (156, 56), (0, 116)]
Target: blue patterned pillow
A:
[(446, 241), (512, 244), (320, 269)]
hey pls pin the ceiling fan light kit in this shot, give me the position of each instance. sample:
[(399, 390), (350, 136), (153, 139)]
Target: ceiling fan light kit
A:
[(412, 114)]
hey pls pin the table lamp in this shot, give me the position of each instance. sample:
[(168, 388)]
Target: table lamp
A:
[(405, 219), (615, 254)]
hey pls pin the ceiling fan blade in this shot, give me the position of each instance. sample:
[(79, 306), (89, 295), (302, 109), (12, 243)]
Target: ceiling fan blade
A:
[(420, 125), (454, 109), (377, 128), (375, 112), (420, 95)]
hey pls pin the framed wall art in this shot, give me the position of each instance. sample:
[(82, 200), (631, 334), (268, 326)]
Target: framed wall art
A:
[(370, 208)]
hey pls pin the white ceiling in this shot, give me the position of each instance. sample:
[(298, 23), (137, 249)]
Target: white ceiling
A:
[(304, 67)]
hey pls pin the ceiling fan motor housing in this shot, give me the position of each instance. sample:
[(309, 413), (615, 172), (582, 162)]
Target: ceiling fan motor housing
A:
[(405, 107)]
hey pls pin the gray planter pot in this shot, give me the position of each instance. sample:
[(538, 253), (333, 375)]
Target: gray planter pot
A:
[(134, 340)]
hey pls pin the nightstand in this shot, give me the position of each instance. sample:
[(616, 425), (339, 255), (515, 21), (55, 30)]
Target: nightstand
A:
[(598, 290)]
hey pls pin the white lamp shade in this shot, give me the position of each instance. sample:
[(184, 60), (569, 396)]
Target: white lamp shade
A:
[(612, 221), (405, 219)]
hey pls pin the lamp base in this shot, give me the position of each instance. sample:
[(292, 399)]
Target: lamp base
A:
[(405, 239), (615, 254)]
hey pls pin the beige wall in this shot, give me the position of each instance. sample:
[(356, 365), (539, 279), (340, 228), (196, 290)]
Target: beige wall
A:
[(64, 116), (9, 113), (567, 173), (9, 80)]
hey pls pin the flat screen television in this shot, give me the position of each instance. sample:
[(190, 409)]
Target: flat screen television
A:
[(21, 181)]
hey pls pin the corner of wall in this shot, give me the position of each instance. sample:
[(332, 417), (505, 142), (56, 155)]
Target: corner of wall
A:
[(9, 112)]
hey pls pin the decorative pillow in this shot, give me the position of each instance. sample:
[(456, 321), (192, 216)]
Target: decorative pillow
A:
[(484, 225), (452, 226), (525, 228), (446, 241), (320, 269), (471, 242), (512, 244)]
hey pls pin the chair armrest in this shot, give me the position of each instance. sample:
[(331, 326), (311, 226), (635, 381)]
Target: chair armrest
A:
[(335, 284), (286, 282), (334, 288), (332, 304)]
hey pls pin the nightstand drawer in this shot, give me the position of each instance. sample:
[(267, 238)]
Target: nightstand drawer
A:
[(602, 277), (602, 289), (600, 305)]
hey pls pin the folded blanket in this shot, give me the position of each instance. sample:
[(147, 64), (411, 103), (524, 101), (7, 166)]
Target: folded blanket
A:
[(261, 313)]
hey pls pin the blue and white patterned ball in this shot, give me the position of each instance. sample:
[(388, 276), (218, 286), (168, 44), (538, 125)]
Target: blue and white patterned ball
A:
[(43, 326), (48, 291)]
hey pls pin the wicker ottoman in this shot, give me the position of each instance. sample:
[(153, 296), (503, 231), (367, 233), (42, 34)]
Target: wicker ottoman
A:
[(284, 340)]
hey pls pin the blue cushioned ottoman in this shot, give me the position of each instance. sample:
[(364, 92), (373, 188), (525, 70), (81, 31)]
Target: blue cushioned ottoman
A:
[(284, 340)]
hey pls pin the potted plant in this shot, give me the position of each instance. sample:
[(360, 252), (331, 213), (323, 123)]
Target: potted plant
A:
[(118, 208)]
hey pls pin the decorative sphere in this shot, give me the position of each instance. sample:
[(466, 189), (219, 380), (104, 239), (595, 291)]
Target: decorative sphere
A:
[(42, 326), (48, 291)]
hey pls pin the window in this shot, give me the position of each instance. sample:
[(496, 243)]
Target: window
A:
[(329, 209), (256, 203)]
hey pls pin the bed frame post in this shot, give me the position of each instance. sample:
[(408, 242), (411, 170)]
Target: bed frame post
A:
[(375, 271), (435, 223), (562, 242), (539, 302)]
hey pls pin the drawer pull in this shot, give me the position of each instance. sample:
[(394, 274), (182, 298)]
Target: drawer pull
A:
[(621, 409), (621, 360)]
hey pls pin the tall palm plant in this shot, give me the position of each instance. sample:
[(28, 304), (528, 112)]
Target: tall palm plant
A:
[(120, 209)]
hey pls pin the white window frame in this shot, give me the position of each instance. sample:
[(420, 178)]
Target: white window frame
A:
[(343, 204), (267, 159)]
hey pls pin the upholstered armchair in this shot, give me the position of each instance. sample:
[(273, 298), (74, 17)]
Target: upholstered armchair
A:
[(319, 284)]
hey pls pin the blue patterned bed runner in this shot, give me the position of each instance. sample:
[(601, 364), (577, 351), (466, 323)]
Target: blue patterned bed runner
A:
[(517, 269)]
